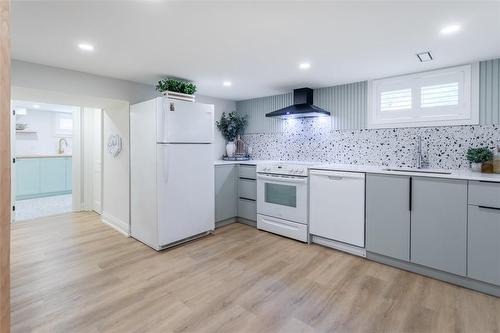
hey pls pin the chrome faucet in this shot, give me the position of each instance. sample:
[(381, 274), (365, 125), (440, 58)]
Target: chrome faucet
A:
[(61, 148), (421, 163)]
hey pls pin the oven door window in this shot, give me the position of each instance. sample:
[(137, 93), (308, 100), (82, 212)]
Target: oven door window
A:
[(284, 195)]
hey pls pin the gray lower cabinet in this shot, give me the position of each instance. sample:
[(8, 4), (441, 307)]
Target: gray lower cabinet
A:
[(226, 192), (439, 224), (484, 233), (235, 192), (388, 215), (247, 192)]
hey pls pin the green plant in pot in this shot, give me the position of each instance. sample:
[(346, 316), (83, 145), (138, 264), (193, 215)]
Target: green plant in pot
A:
[(479, 158), (231, 125), (177, 86)]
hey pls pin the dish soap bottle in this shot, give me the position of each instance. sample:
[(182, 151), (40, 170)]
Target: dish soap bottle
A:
[(496, 160)]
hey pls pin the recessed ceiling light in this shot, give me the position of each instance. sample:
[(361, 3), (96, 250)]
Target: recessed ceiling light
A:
[(450, 29), (36, 106), (227, 83), (305, 65), (86, 47)]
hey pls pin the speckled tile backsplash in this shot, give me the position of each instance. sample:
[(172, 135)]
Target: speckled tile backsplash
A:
[(312, 140)]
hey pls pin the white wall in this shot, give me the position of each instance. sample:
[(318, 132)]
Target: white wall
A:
[(45, 138), (30, 75), (115, 171), (221, 105)]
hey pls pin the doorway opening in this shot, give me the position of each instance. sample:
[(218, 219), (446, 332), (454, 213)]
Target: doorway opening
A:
[(56, 159)]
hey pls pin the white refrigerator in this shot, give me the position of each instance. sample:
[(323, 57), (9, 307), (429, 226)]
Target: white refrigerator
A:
[(171, 171)]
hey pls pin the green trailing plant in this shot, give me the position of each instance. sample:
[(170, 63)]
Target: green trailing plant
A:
[(176, 86), (479, 155), (231, 125)]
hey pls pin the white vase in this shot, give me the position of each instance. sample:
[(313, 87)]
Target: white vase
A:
[(476, 167), (230, 148)]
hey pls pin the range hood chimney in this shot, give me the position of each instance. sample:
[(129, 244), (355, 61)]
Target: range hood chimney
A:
[(302, 106)]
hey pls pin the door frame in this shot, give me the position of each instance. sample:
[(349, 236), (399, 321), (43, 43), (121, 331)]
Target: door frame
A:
[(89, 130), (5, 166)]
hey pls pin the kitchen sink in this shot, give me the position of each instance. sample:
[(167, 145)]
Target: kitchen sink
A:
[(419, 171)]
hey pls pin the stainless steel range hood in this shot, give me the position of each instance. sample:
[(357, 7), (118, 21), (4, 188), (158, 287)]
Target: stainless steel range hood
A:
[(302, 106)]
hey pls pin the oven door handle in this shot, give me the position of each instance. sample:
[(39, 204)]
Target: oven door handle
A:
[(282, 179)]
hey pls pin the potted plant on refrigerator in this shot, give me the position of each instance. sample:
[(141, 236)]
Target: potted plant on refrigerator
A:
[(479, 159), (231, 125), (177, 89)]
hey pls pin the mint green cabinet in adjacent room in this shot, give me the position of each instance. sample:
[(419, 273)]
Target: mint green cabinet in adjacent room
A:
[(69, 173), (41, 177), (27, 177), (52, 175)]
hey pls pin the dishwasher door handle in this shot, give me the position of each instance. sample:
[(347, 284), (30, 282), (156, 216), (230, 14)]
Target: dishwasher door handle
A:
[(337, 175)]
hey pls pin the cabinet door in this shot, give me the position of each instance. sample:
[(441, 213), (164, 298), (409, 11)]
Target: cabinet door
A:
[(439, 224), (388, 215), (69, 173), (52, 175), (27, 177), (226, 196), (484, 244)]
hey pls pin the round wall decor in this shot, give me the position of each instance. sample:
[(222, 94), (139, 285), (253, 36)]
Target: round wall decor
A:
[(114, 145)]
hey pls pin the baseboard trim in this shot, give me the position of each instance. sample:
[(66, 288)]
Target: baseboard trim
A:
[(236, 219), (437, 274), (247, 222), (115, 223), (222, 223), (357, 251)]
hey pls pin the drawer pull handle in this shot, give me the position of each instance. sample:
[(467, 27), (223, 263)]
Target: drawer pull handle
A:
[(486, 207)]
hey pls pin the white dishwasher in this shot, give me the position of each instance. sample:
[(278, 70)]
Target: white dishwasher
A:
[(337, 209)]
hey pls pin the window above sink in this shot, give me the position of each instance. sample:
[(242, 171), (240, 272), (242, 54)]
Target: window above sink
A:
[(435, 98)]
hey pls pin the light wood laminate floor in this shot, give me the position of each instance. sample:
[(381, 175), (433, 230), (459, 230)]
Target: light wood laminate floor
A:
[(71, 273)]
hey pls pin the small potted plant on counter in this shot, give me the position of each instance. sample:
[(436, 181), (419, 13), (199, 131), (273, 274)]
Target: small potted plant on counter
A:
[(177, 89), (480, 159), (231, 125)]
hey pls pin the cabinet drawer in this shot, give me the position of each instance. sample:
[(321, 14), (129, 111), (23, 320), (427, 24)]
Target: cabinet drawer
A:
[(247, 209), (483, 244), (247, 171), (281, 227), (247, 189), (484, 194)]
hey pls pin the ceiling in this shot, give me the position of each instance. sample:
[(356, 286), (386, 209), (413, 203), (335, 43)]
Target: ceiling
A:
[(256, 45)]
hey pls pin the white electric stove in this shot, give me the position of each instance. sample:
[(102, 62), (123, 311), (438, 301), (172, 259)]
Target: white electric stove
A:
[(282, 197)]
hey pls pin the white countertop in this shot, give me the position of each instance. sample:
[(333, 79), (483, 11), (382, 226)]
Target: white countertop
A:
[(454, 174), (43, 155)]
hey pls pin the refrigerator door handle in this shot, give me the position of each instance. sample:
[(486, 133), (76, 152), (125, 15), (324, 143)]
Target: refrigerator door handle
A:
[(165, 165)]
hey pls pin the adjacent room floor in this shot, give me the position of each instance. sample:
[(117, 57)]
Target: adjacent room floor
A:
[(71, 273), (40, 207)]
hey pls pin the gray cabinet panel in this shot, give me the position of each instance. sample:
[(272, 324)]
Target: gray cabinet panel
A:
[(226, 195), (247, 189), (247, 209), (484, 244), (388, 215), (439, 224), (248, 171), (484, 194)]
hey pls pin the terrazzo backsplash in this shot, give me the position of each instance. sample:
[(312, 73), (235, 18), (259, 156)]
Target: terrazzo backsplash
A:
[(311, 139)]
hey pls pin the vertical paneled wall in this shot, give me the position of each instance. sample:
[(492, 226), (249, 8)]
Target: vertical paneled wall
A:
[(489, 92), (257, 108), (348, 103)]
